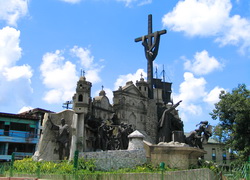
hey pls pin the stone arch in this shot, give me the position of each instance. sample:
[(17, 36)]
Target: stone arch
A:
[(132, 120), (142, 105), (80, 98)]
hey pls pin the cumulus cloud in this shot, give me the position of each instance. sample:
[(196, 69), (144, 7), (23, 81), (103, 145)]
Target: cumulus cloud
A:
[(192, 88), (60, 75), (12, 10), (17, 72), (15, 81), (10, 51), (194, 96), (202, 64), (91, 69), (191, 92), (209, 18), (122, 79), (213, 96)]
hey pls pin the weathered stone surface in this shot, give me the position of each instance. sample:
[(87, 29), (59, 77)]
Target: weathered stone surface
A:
[(136, 140), (48, 147), (174, 154), (107, 160)]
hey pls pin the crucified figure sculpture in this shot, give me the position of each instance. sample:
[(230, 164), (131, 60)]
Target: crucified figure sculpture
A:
[(151, 43)]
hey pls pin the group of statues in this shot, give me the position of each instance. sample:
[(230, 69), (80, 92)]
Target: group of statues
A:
[(108, 136), (169, 122), (112, 137)]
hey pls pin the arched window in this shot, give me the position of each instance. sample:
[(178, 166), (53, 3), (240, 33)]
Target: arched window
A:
[(80, 98)]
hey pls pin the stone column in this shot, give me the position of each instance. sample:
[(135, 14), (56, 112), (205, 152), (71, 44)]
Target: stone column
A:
[(136, 141), (73, 147)]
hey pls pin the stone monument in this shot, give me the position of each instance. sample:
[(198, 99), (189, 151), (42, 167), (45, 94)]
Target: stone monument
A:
[(95, 125)]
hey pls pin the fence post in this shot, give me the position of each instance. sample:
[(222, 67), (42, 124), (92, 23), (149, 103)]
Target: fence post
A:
[(38, 170), (248, 169), (162, 168), (12, 164), (76, 164)]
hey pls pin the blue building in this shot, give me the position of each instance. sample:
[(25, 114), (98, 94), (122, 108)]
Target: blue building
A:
[(18, 133)]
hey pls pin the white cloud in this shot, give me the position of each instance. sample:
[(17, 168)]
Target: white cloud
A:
[(93, 76), (12, 10), (10, 51), (87, 61), (209, 18), (59, 76), (213, 96), (237, 33), (25, 108), (191, 92), (192, 88), (15, 81), (84, 55), (202, 64), (17, 72), (198, 17), (72, 1), (121, 81)]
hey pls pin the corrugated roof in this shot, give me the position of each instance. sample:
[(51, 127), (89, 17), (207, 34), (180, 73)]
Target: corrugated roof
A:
[(9, 115)]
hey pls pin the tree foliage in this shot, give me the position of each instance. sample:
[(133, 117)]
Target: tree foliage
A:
[(233, 113)]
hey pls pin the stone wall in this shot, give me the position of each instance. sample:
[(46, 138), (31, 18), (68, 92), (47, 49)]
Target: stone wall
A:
[(108, 160)]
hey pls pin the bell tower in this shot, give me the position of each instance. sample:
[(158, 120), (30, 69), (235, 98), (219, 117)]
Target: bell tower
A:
[(81, 99)]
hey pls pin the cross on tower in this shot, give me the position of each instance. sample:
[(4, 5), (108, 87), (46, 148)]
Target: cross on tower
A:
[(141, 75), (151, 43), (82, 72)]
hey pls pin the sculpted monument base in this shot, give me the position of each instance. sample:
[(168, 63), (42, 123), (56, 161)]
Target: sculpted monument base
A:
[(173, 154)]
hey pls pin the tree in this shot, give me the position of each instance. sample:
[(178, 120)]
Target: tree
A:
[(233, 112)]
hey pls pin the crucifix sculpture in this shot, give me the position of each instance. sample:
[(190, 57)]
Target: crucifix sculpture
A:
[(151, 43)]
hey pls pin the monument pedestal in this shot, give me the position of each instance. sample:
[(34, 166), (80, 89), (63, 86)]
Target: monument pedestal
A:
[(174, 155)]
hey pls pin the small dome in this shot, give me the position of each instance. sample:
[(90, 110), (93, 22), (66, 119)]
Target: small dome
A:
[(82, 78), (102, 93)]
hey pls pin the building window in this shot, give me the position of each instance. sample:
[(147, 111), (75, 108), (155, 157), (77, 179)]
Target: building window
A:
[(80, 98), (1, 125), (214, 154)]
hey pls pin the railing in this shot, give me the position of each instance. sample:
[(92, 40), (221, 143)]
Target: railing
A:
[(14, 133)]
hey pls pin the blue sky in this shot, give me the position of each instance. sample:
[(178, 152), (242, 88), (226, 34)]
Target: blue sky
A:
[(45, 44)]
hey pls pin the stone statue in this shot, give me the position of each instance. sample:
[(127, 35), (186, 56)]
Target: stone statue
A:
[(206, 129), (200, 136), (194, 139), (62, 138), (168, 123)]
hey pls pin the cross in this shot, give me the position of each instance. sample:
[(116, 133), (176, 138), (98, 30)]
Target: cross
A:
[(66, 104), (82, 72), (141, 75), (151, 43), (102, 87)]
